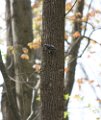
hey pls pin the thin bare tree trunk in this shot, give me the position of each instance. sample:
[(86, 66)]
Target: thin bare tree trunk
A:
[(74, 51), (5, 107), (10, 97), (22, 34)]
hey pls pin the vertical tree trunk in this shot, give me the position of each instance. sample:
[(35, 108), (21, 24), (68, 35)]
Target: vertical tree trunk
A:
[(52, 76), (73, 56), (22, 34), (6, 109)]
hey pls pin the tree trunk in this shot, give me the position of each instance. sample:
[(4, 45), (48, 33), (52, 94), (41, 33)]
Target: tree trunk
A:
[(5, 107), (22, 34), (52, 75), (10, 97), (74, 52)]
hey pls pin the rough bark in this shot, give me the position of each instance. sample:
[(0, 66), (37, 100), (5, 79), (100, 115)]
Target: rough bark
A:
[(74, 54), (52, 75), (22, 34)]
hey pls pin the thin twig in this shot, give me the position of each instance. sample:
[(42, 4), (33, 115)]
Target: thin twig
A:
[(88, 24), (89, 7), (84, 49), (71, 8), (32, 114), (92, 40), (89, 39)]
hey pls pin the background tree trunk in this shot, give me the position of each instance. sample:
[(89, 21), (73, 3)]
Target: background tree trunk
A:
[(22, 34), (5, 107), (74, 51), (52, 75)]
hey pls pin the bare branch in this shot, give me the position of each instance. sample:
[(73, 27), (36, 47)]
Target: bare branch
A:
[(71, 8), (67, 42), (89, 24), (94, 31), (33, 116), (1, 85), (84, 48), (72, 46), (89, 7), (84, 71), (9, 91), (90, 39)]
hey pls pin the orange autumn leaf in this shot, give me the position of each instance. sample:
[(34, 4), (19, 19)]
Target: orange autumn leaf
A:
[(77, 97), (93, 42), (66, 69), (68, 6), (25, 50), (84, 19), (99, 100), (37, 40), (30, 45), (35, 5), (91, 14), (11, 49), (78, 14), (79, 1), (24, 56), (78, 20), (72, 17), (79, 81), (38, 18), (83, 27), (76, 34), (97, 11), (37, 67), (91, 81), (35, 44), (65, 37)]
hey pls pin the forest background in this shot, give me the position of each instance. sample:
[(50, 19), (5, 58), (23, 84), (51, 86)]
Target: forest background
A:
[(85, 100)]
